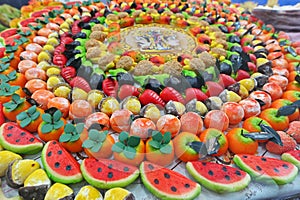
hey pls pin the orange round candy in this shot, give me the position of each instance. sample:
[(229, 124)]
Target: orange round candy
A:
[(61, 104), (35, 73), (33, 47), (24, 65), (35, 84), (191, 122), (168, 123), (80, 109), (98, 118), (42, 97), (29, 55)]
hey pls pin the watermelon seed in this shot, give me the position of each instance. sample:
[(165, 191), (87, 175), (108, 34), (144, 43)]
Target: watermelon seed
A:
[(174, 189), (263, 159), (49, 153), (22, 133), (59, 152), (203, 163), (9, 135), (99, 169), (258, 168), (31, 139), (285, 166), (57, 164), (186, 185), (110, 175), (224, 169), (150, 167), (210, 172), (54, 142), (237, 172), (227, 177), (245, 156), (156, 181), (110, 166), (166, 175), (10, 127), (68, 167), (126, 169), (17, 140), (276, 170)]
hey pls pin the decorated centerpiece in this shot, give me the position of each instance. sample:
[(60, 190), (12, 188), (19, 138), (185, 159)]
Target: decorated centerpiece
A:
[(130, 100)]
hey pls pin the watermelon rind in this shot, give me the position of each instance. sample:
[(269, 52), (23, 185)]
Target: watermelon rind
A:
[(162, 194), (216, 186), (289, 157), (104, 184), (76, 178), (263, 176), (32, 148)]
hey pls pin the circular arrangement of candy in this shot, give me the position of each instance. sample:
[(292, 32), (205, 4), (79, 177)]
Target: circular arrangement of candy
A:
[(134, 84)]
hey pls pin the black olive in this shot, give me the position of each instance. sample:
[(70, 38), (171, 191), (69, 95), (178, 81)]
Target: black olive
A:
[(261, 80), (262, 50), (225, 68), (234, 87), (179, 83), (154, 85), (234, 39), (71, 53), (96, 81), (95, 20), (85, 72), (224, 29), (106, 12), (236, 48), (266, 70), (72, 45), (74, 62), (125, 78), (86, 26), (80, 35), (133, 5), (195, 82)]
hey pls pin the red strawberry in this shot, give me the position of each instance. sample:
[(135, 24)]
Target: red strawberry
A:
[(66, 40), (288, 144), (68, 73), (110, 87), (59, 49), (2, 118), (241, 74), (80, 83), (75, 28), (213, 88), (149, 96), (226, 80), (170, 94), (128, 90), (59, 60), (192, 93)]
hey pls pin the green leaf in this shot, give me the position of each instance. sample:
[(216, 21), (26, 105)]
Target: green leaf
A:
[(167, 137), (88, 144), (123, 136), (10, 106), (16, 97), (154, 144), (57, 115), (157, 136), (35, 115), (4, 78), (21, 116), (74, 138), (65, 137), (129, 152), (133, 141), (58, 124), (96, 147), (25, 122), (47, 118), (166, 149), (94, 134), (69, 128), (118, 147), (47, 128), (31, 110), (79, 127), (101, 137)]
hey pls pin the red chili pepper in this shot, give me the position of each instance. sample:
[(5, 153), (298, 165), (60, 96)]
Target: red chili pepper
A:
[(2, 118), (110, 87)]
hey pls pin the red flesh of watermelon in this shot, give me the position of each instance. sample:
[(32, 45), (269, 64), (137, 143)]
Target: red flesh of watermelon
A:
[(106, 174), (292, 157), (168, 184), (59, 164), (8, 32)]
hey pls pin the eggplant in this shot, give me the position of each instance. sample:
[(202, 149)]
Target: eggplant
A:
[(153, 84), (96, 81), (125, 78)]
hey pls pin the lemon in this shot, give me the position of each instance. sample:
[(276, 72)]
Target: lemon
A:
[(117, 194), (88, 192)]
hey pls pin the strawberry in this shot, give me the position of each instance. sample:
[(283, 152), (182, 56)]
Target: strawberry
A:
[(241, 74), (75, 28), (212, 88), (59, 60), (59, 49), (149, 96), (170, 94), (80, 83), (66, 40), (288, 144), (128, 90), (110, 87), (68, 73), (192, 93), (2, 118), (226, 80)]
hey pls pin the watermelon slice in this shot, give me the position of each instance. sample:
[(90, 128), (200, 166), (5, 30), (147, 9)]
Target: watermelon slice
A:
[(217, 177), (167, 184), (18, 140), (27, 21), (39, 13), (59, 164), (292, 157), (266, 169), (8, 32), (106, 174)]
